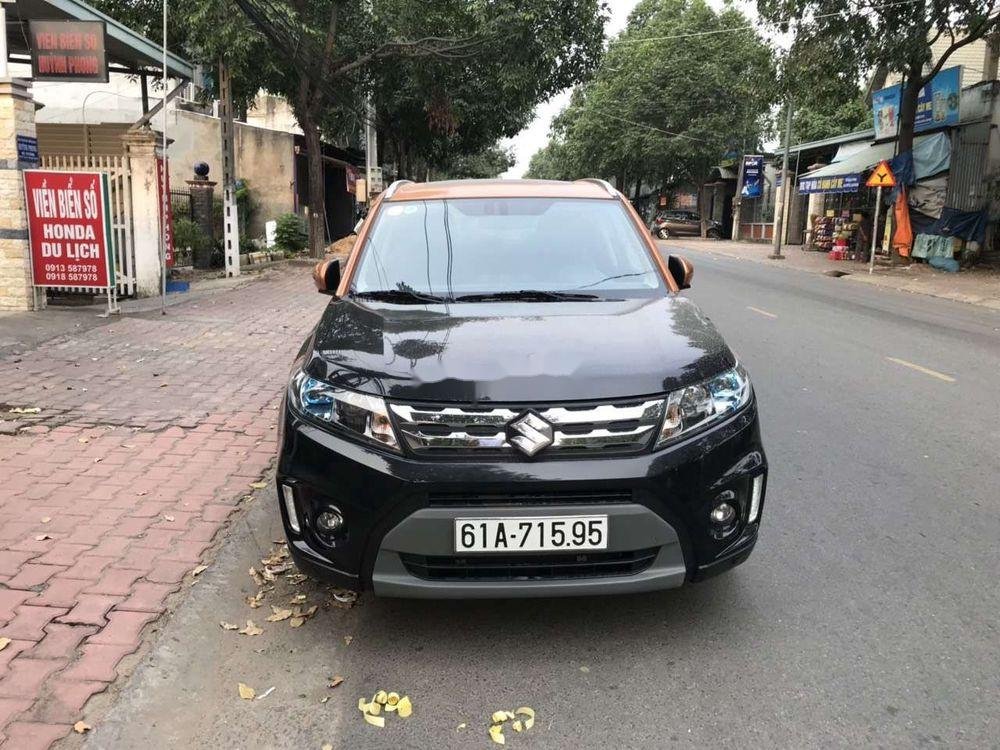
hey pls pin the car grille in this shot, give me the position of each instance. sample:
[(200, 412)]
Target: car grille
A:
[(594, 429), (530, 497), (540, 567)]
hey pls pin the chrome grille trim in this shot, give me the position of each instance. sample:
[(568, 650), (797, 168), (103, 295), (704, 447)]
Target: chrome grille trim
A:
[(624, 427)]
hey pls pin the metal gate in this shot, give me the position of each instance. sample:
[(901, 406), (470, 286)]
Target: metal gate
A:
[(119, 179)]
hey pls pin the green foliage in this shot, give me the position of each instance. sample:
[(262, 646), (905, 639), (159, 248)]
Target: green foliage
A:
[(663, 110), (290, 234), (189, 235), (490, 162), (814, 122)]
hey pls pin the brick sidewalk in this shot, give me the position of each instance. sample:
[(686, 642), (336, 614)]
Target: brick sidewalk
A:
[(150, 431), (979, 286)]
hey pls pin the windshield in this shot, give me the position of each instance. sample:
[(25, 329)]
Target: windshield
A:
[(474, 247)]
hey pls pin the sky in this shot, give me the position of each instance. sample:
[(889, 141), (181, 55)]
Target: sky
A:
[(536, 135)]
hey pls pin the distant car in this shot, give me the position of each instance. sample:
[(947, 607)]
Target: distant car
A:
[(669, 224)]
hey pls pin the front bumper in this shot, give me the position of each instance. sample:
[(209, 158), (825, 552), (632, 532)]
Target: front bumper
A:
[(399, 514)]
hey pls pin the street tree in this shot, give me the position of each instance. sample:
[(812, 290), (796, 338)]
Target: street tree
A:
[(487, 163), (681, 86), (891, 36)]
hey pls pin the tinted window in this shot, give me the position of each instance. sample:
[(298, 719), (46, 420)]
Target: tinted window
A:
[(470, 246)]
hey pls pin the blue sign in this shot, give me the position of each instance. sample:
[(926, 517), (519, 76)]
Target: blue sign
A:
[(846, 183), (753, 177), (27, 149), (937, 105)]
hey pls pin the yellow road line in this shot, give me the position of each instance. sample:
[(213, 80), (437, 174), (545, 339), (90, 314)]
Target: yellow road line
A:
[(762, 312), (924, 370)]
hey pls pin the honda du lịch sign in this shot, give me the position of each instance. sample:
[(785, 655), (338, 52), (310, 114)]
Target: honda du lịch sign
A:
[(69, 228)]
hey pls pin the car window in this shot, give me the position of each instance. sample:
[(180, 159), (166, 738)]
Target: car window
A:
[(471, 246)]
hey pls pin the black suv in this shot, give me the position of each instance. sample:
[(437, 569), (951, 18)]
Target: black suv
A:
[(507, 396)]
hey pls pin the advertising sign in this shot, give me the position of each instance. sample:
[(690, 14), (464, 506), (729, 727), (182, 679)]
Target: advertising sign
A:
[(351, 175), (937, 104), (753, 177), (68, 51), (166, 214), (848, 183), (69, 228)]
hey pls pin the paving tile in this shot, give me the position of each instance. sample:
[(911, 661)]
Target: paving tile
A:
[(90, 609), (115, 581), (97, 663), (34, 735), (66, 698), (25, 676), (11, 707), (123, 628), (148, 597), (61, 592), (29, 622), (61, 641), (9, 600)]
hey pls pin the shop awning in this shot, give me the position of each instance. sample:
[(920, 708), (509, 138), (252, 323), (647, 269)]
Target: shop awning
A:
[(931, 155)]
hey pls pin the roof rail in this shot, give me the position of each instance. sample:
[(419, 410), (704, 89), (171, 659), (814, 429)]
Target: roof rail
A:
[(603, 183), (392, 188)]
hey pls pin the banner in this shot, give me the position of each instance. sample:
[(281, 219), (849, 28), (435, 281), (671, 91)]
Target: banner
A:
[(69, 228), (937, 105), (753, 177), (68, 51), (351, 178), (166, 213), (848, 183)]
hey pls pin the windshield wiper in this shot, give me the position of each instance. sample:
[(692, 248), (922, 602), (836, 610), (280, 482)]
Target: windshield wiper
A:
[(402, 296), (526, 295)]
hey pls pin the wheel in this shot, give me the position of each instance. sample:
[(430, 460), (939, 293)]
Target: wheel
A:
[(713, 234), (663, 233)]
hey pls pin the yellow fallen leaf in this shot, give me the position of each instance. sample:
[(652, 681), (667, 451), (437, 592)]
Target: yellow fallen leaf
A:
[(337, 679), (324, 699), (499, 717), (25, 410), (247, 693), (517, 726), (298, 599), (296, 622), (228, 625), (83, 440), (257, 577), (168, 518), (200, 569), (530, 713), (463, 725), (254, 601), (258, 485), (327, 746), (404, 708), (392, 699), (42, 537), (46, 519), (4, 643), (381, 697), (496, 734), (80, 727), (585, 669), (377, 721), (348, 639), (251, 629), (374, 708), (362, 705), (278, 614)]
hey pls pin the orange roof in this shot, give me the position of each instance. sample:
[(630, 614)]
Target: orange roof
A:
[(418, 191)]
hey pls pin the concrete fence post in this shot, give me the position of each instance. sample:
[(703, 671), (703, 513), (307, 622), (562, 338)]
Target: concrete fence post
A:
[(17, 118), (141, 149)]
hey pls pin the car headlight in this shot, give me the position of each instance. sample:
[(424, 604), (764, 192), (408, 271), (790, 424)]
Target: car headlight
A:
[(359, 414), (697, 406)]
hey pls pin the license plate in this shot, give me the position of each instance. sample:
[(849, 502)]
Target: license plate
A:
[(538, 534)]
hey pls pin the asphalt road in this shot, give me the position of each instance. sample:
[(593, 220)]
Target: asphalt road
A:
[(867, 616)]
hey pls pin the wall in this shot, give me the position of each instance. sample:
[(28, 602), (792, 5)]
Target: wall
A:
[(264, 158), (971, 57)]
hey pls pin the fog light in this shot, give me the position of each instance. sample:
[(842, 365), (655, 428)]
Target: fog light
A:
[(330, 521), (288, 495), (756, 490), (723, 514)]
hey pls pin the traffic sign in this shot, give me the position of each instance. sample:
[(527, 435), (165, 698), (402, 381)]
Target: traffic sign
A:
[(881, 176)]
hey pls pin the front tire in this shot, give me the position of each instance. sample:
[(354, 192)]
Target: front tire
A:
[(663, 233), (713, 234)]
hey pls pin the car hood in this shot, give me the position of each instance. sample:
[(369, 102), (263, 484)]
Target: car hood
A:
[(517, 352)]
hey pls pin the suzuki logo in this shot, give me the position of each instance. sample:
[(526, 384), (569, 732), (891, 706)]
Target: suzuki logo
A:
[(530, 433)]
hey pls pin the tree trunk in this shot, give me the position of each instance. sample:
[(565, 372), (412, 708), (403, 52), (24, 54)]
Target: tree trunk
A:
[(908, 107), (317, 189)]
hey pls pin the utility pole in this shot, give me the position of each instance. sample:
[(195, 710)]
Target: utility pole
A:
[(779, 224), (371, 148), (230, 209)]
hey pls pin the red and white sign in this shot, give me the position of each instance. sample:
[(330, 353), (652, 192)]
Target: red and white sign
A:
[(69, 228), (166, 214)]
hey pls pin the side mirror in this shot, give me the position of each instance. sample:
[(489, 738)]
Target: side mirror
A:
[(682, 271), (326, 276)]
